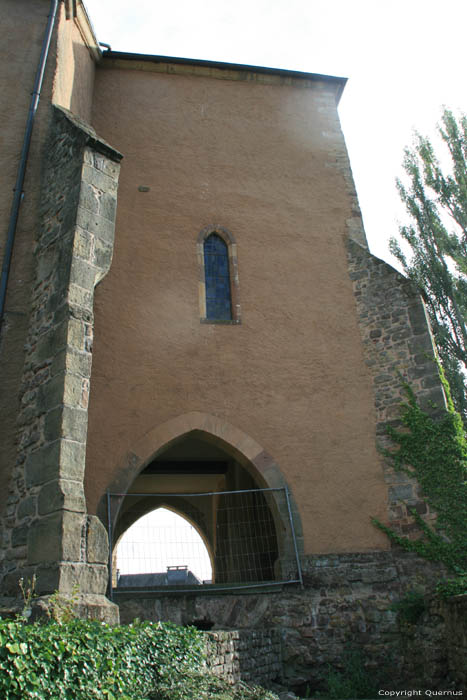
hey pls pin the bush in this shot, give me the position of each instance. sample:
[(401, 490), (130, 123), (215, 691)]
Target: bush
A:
[(354, 681), (204, 686), (452, 586), (434, 452), (410, 607), (81, 660)]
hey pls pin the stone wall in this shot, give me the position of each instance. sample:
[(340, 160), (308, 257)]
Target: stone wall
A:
[(398, 348), (345, 602), (455, 613), (253, 656), (434, 646), (47, 531)]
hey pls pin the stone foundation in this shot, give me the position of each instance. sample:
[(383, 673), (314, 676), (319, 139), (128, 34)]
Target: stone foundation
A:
[(345, 602)]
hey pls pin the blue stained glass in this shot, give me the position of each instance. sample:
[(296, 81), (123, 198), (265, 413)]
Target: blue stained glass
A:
[(217, 278)]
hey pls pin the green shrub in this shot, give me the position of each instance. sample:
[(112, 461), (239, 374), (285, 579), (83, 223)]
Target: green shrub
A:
[(410, 607), (435, 453), (205, 686), (82, 660), (354, 681), (452, 586)]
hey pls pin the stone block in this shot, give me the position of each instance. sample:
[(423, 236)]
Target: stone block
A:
[(103, 163), (19, 536), (83, 274), (59, 459), (50, 393), (401, 492), (82, 245), (55, 538), (43, 464), (68, 422), (27, 507), (78, 296), (97, 545), (103, 252), (75, 334), (99, 179), (62, 494), (73, 361), (96, 224), (90, 578), (48, 344)]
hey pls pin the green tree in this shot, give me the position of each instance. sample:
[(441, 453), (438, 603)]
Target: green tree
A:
[(436, 201)]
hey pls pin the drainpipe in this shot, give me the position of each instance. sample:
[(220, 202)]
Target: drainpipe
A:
[(18, 190)]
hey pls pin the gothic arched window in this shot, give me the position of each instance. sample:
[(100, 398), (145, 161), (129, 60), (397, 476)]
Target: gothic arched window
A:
[(217, 279), (218, 276)]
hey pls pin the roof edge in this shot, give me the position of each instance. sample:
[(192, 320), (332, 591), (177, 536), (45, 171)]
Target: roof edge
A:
[(338, 82)]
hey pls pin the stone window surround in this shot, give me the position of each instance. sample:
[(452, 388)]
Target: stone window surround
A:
[(231, 244)]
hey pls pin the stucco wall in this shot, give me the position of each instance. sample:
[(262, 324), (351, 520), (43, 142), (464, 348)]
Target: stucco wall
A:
[(268, 162), (74, 77)]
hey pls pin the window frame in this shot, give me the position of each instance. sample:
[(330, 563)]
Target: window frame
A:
[(230, 242)]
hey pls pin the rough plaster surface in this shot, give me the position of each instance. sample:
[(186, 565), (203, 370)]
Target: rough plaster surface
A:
[(74, 76), (265, 161)]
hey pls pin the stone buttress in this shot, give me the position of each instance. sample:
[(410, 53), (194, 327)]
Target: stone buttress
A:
[(47, 531)]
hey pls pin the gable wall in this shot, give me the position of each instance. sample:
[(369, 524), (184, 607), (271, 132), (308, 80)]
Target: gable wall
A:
[(268, 162)]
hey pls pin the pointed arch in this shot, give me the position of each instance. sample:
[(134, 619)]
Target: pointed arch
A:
[(218, 281), (249, 453)]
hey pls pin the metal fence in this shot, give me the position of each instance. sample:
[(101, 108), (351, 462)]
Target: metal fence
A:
[(226, 539)]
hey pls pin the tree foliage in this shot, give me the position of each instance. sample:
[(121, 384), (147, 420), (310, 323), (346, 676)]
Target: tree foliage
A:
[(436, 200)]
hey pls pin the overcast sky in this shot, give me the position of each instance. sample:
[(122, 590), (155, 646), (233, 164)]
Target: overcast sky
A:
[(404, 60)]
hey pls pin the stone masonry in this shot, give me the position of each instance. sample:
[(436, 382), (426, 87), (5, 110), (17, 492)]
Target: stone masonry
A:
[(345, 602), (253, 656), (398, 349), (47, 531)]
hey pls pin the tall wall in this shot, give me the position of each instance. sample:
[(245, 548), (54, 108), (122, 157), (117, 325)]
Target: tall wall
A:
[(264, 157)]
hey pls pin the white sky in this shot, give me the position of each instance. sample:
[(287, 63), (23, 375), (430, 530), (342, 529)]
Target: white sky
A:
[(161, 539), (404, 60)]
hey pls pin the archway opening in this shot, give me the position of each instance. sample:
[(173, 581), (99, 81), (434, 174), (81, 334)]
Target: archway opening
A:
[(245, 526), (162, 548)]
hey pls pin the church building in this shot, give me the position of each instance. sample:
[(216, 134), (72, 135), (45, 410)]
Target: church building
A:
[(192, 319)]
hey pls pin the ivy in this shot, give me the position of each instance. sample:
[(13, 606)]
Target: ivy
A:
[(82, 660), (86, 660), (434, 452)]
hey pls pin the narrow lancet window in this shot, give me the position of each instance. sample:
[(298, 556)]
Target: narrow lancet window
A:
[(217, 279)]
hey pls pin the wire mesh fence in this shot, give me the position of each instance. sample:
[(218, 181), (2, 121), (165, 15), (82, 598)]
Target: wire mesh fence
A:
[(225, 539)]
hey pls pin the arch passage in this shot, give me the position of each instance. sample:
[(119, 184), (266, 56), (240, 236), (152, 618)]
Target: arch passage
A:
[(246, 528)]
